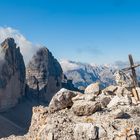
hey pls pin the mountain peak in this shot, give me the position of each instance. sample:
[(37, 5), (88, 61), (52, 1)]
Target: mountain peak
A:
[(43, 73), (9, 42), (12, 74)]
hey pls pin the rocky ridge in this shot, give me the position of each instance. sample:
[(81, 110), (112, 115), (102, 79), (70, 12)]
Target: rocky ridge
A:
[(112, 114)]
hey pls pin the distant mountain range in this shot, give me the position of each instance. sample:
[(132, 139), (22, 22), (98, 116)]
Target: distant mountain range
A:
[(84, 74)]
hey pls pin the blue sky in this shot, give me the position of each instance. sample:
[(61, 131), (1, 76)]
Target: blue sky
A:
[(94, 31)]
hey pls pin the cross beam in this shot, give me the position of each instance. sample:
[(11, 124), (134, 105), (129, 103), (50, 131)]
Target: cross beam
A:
[(132, 68), (129, 68)]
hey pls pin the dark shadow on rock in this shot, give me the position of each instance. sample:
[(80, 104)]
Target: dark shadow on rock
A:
[(34, 95), (125, 116), (17, 120)]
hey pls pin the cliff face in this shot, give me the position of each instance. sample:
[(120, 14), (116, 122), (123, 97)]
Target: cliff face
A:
[(12, 74), (44, 75)]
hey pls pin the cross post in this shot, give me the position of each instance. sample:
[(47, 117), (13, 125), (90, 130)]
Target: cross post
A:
[(134, 76)]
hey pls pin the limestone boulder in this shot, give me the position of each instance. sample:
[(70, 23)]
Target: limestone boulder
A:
[(93, 89), (61, 100), (83, 108)]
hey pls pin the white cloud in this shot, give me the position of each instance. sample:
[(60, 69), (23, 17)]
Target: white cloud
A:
[(26, 47), (68, 65)]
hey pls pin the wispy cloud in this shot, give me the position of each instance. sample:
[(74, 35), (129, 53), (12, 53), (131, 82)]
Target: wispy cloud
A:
[(92, 51), (26, 47)]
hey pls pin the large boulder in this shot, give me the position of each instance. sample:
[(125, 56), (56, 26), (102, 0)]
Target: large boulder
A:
[(93, 88), (85, 108), (12, 74), (61, 100), (44, 76)]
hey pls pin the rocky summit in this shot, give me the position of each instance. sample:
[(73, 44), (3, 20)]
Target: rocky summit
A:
[(44, 76), (111, 115), (12, 74)]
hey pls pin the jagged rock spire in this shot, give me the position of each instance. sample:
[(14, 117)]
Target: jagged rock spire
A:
[(44, 75), (12, 74)]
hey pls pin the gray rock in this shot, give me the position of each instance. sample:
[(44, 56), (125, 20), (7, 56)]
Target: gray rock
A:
[(110, 90), (12, 74), (93, 88), (85, 131), (102, 133), (117, 114), (61, 100), (82, 108), (44, 75), (123, 79), (116, 100), (87, 97), (123, 91), (105, 100)]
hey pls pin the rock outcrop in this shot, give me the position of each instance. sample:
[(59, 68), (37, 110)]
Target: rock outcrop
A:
[(44, 76), (86, 118), (12, 74), (61, 100), (85, 108)]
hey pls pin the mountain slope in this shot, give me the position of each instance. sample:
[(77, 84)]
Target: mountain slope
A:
[(84, 74)]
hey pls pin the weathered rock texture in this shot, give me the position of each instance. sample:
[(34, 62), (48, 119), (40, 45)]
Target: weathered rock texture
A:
[(117, 122), (12, 74), (93, 89), (61, 100), (44, 75)]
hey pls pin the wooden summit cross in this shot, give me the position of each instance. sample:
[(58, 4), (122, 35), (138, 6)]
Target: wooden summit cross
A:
[(134, 76), (132, 68)]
